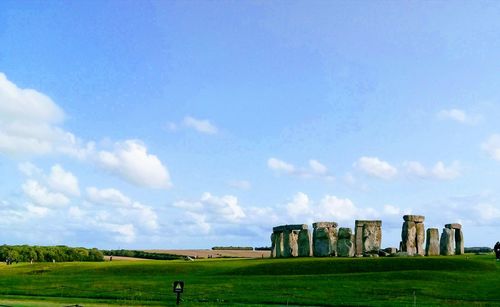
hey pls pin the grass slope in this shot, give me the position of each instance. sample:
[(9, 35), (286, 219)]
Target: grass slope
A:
[(471, 280)]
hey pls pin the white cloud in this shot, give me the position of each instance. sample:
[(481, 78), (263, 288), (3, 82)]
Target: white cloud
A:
[(330, 208), (458, 115), (76, 212), (200, 125), (197, 223), (29, 169), (123, 232), (375, 167), (30, 124), (342, 209), (140, 215), (487, 211), (107, 197), (492, 146), (225, 207), (37, 210), (280, 166), (131, 161), (439, 171), (416, 168), (317, 167), (62, 181), (217, 214), (26, 104), (40, 195), (300, 206)]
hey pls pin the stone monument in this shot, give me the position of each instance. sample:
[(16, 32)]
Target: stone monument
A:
[(368, 237), (324, 239), (413, 235)]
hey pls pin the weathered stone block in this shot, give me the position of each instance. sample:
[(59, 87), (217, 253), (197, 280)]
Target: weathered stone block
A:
[(304, 243), (447, 242), (369, 239), (414, 218), (372, 237), (283, 228), (408, 237), (273, 245), (324, 239), (453, 226), (278, 238), (420, 239), (391, 250), (432, 242), (325, 225), (345, 233), (345, 248), (459, 242)]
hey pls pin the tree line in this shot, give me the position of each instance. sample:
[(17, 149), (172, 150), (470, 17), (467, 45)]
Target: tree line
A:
[(141, 254), (59, 253)]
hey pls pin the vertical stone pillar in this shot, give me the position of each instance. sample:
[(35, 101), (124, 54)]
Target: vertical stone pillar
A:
[(459, 237), (447, 243), (345, 244), (324, 239), (368, 236), (420, 238), (304, 243), (273, 245), (358, 235), (279, 244), (432, 243), (413, 235)]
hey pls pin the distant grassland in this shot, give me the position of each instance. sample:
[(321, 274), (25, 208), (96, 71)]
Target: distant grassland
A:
[(426, 281)]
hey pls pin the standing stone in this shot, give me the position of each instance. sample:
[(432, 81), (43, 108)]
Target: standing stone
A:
[(420, 229), (345, 244), (408, 237), (273, 245), (459, 242), (372, 237), (368, 236), (279, 244), (304, 243), (432, 243), (324, 239), (290, 245), (447, 243)]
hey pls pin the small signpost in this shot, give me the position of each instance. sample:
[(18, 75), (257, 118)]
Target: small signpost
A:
[(178, 288)]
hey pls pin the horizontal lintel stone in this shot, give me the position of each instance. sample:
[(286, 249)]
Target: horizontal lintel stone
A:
[(324, 224), (414, 218), (289, 227)]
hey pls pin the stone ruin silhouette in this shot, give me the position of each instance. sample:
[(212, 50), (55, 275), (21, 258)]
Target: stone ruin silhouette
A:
[(328, 241)]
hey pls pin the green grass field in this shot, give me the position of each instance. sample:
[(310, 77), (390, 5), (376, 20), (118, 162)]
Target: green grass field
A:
[(426, 281)]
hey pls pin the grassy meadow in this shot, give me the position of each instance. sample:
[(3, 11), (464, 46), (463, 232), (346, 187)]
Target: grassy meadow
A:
[(422, 281)]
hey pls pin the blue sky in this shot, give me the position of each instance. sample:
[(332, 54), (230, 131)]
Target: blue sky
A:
[(194, 124)]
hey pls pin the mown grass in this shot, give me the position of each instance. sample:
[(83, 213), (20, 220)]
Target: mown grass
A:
[(426, 281)]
